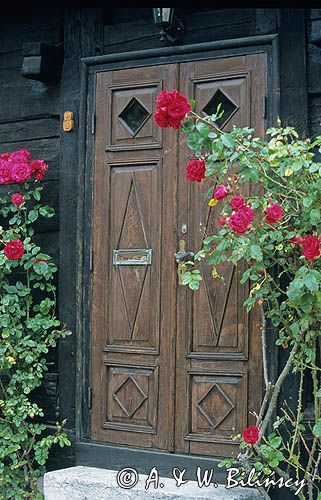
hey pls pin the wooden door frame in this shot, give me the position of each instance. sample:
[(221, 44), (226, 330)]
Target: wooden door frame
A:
[(269, 44)]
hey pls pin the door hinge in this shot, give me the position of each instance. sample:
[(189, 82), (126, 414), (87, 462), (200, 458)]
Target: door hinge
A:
[(93, 123), (91, 258), (264, 106), (90, 397)]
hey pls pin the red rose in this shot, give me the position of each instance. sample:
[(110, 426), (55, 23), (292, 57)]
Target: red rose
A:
[(296, 239), (273, 213), (161, 119), (247, 212), (20, 172), (251, 434), (21, 156), (311, 247), (17, 199), (174, 122), (171, 107), (14, 249), (5, 171), (195, 170), (237, 202), (163, 100), (222, 220), (220, 192), (38, 168), (41, 260), (239, 222)]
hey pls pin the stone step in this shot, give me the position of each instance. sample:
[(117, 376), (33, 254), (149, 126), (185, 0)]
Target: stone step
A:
[(89, 483)]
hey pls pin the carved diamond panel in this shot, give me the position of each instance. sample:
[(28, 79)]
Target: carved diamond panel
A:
[(130, 398), (217, 405)]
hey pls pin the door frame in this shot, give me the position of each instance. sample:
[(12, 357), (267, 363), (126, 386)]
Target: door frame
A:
[(269, 44)]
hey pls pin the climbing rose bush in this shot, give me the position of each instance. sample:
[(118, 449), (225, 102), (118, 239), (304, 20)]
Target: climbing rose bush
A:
[(28, 327), (265, 194)]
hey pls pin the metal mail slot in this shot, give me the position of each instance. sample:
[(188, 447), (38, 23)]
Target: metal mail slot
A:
[(132, 257)]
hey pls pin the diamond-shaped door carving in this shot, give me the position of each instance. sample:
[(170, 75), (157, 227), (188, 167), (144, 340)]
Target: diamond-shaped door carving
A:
[(129, 396), (227, 105), (133, 235), (215, 406), (133, 116)]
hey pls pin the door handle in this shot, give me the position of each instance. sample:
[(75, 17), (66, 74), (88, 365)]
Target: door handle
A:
[(183, 260)]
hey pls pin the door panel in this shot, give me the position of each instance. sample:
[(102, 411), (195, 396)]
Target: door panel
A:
[(218, 359), (133, 322), (165, 358)]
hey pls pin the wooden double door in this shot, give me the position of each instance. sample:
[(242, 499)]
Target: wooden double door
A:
[(171, 369)]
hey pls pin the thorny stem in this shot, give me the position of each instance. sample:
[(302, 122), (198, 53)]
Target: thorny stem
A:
[(298, 418), (264, 360), (276, 390)]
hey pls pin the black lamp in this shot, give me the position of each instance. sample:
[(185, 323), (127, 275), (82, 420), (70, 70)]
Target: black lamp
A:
[(171, 28)]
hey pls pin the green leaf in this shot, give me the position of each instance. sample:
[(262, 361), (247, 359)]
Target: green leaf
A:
[(256, 252), (32, 215), (194, 285), (203, 129), (315, 216), (318, 394), (228, 141), (30, 263), (317, 428), (307, 201), (29, 359), (311, 282), (188, 126), (192, 103), (41, 267), (46, 211), (275, 441)]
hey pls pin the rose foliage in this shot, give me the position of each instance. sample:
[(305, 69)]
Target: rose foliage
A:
[(265, 195), (28, 327)]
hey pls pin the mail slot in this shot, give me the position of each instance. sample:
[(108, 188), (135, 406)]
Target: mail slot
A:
[(132, 257)]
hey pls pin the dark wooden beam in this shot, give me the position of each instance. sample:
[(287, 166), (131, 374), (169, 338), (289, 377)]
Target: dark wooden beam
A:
[(83, 30)]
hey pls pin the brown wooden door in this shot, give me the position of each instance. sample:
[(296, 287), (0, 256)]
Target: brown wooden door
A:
[(171, 369)]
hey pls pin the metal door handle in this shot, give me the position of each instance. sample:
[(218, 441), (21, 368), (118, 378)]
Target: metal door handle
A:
[(183, 259)]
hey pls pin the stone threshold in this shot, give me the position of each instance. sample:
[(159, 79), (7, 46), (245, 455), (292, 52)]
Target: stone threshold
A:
[(90, 483)]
